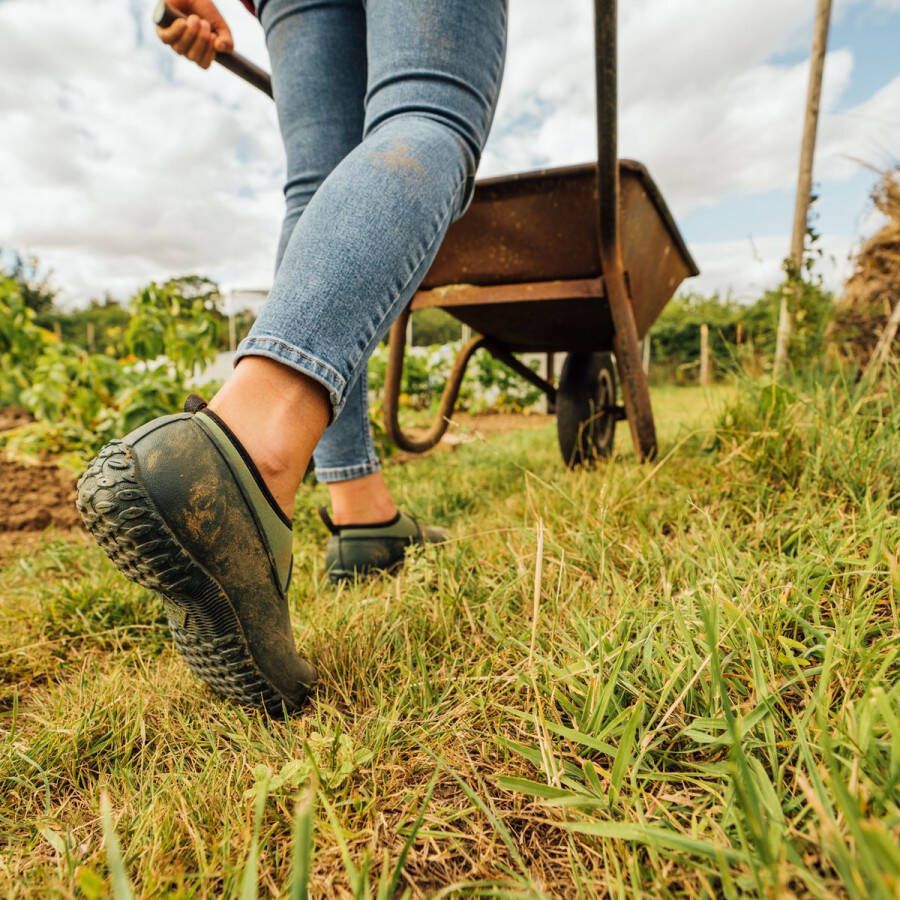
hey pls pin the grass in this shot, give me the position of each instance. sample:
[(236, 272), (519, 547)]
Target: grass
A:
[(677, 679)]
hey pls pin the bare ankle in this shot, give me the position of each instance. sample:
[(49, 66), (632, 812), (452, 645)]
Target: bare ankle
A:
[(361, 501), (278, 415)]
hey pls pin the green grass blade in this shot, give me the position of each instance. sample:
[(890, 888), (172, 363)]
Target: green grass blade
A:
[(387, 890), (121, 886), (302, 835), (249, 878)]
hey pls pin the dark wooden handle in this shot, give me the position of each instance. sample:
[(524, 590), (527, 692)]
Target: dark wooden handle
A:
[(164, 15)]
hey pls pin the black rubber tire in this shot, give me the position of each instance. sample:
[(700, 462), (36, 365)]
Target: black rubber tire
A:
[(585, 417), (125, 523)]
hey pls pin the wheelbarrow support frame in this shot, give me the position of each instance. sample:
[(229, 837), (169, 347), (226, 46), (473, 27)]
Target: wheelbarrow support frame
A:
[(635, 391), (633, 380)]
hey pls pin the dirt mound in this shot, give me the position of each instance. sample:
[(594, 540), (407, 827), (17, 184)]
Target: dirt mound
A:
[(873, 288), (35, 496)]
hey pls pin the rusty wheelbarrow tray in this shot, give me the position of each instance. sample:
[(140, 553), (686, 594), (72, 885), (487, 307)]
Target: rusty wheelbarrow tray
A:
[(522, 269)]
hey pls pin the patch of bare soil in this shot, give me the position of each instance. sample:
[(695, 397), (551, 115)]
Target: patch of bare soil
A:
[(33, 496), (466, 429)]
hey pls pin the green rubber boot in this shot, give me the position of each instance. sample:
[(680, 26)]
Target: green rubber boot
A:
[(181, 509), (357, 550)]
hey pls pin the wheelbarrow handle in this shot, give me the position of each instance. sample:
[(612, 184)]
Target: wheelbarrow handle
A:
[(164, 15)]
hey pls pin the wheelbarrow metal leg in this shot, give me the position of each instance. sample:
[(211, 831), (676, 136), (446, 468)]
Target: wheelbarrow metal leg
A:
[(498, 351), (635, 392), (394, 378)]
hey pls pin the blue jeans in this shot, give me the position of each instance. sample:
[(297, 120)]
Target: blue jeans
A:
[(384, 108)]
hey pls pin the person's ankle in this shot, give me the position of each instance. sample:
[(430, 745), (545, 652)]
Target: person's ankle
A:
[(374, 514), (278, 472), (361, 501), (278, 416)]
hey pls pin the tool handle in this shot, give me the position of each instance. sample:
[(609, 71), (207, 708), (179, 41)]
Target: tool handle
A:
[(164, 15)]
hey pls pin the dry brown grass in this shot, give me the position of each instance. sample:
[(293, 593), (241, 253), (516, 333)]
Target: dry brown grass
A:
[(874, 287)]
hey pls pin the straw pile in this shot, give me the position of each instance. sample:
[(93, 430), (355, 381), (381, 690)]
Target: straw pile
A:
[(873, 289)]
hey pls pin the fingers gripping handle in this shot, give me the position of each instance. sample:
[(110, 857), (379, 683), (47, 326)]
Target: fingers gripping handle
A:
[(164, 16)]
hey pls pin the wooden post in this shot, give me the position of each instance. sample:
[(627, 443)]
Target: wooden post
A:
[(704, 354), (91, 343), (804, 177)]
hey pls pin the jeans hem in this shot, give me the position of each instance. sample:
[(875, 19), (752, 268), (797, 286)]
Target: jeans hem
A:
[(347, 473), (301, 361)]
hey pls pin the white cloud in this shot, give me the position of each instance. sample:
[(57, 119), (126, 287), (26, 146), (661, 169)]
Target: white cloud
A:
[(119, 162), (116, 175), (744, 269)]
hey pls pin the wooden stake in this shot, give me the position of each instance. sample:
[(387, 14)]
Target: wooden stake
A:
[(704, 354), (804, 176)]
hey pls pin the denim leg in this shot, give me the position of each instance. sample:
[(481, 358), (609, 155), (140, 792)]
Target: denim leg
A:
[(318, 54), (369, 234), (345, 451)]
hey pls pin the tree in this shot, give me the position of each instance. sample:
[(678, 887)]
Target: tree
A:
[(178, 320), (35, 289)]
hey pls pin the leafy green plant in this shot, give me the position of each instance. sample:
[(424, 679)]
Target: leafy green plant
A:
[(488, 385), (21, 341), (80, 399), (176, 320)]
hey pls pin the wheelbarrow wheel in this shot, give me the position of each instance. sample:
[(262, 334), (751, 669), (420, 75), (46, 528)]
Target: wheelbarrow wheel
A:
[(586, 408)]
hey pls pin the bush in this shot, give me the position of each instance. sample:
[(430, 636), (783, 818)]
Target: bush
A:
[(81, 400), (176, 320), (488, 385), (434, 326), (21, 341), (830, 436), (740, 336)]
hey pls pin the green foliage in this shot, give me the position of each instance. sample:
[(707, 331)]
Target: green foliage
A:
[(488, 384), (435, 326), (36, 290), (500, 388), (676, 334), (21, 341), (740, 336), (80, 399), (100, 326), (176, 320)]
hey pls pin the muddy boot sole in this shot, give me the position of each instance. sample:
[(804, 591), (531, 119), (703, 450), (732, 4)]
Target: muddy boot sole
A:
[(124, 521)]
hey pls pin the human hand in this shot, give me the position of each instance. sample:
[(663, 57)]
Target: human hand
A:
[(200, 34)]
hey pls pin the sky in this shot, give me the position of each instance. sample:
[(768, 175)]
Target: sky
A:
[(121, 163)]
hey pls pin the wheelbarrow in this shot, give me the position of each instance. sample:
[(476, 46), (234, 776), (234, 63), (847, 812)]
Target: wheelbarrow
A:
[(579, 260)]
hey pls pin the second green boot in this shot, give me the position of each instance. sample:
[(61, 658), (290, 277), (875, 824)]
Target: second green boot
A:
[(358, 550)]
